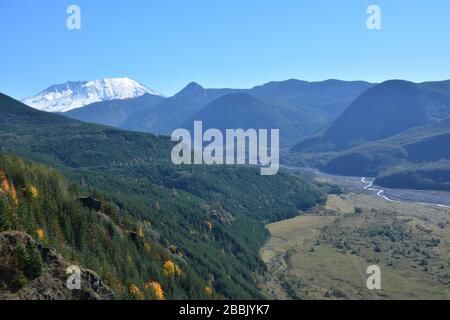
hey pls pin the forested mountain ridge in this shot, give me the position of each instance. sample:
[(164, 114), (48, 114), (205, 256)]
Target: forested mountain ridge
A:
[(382, 111), (397, 131), (244, 111), (114, 112), (170, 113), (328, 98), (209, 218), (298, 108)]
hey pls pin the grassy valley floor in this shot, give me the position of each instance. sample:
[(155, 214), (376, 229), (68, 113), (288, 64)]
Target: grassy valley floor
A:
[(325, 254)]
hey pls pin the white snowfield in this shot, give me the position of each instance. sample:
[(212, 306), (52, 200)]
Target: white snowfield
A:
[(76, 94)]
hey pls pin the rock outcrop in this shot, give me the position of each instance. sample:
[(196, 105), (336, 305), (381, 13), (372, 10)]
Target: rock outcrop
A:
[(46, 276)]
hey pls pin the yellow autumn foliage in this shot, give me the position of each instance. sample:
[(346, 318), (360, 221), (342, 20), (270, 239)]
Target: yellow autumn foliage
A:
[(40, 234), (171, 269), (5, 186), (148, 247), (140, 233), (208, 291), (136, 293), (209, 225), (156, 288), (14, 196), (34, 191)]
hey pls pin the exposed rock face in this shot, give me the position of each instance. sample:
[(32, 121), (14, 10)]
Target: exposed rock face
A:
[(51, 283)]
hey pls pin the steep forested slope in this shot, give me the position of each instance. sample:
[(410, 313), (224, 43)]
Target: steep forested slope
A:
[(38, 200), (208, 217)]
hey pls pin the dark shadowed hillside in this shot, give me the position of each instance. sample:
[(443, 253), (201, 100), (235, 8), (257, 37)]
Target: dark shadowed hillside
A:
[(382, 111), (394, 128), (309, 106), (329, 97), (241, 110), (115, 112), (169, 114)]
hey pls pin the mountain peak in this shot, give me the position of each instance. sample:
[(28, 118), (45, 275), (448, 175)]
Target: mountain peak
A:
[(75, 94), (194, 85), (192, 88)]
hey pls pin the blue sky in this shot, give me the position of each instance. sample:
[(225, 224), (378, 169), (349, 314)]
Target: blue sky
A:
[(234, 43)]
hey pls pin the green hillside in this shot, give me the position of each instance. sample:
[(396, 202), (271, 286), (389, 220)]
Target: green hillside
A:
[(389, 132), (381, 112), (211, 218), (38, 200), (170, 113), (326, 98), (114, 112), (241, 110), (297, 108), (428, 176)]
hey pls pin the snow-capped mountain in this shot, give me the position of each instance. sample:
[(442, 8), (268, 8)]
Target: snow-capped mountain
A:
[(75, 94)]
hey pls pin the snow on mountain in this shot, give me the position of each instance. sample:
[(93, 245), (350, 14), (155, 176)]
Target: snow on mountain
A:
[(76, 94)]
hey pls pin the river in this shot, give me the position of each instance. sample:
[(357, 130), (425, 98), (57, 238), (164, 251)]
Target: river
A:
[(365, 185)]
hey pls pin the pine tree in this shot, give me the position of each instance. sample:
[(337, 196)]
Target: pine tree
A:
[(30, 263), (7, 217), (33, 267)]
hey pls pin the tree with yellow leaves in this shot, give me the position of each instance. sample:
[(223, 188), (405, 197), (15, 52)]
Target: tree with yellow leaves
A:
[(140, 233), (5, 186), (209, 225), (148, 247), (208, 291), (33, 191), (171, 269), (136, 293), (155, 287), (40, 234)]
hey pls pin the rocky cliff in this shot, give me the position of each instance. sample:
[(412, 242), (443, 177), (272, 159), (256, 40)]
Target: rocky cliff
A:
[(29, 271)]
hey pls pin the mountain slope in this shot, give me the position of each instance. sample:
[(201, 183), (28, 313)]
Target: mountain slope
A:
[(419, 145), (49, 279), (170, 113), (241, 110), (312, 104), (37, 200), (398, 132), (114, 112), (209, 217), (76, 94), (329, 97), (382, 111)]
